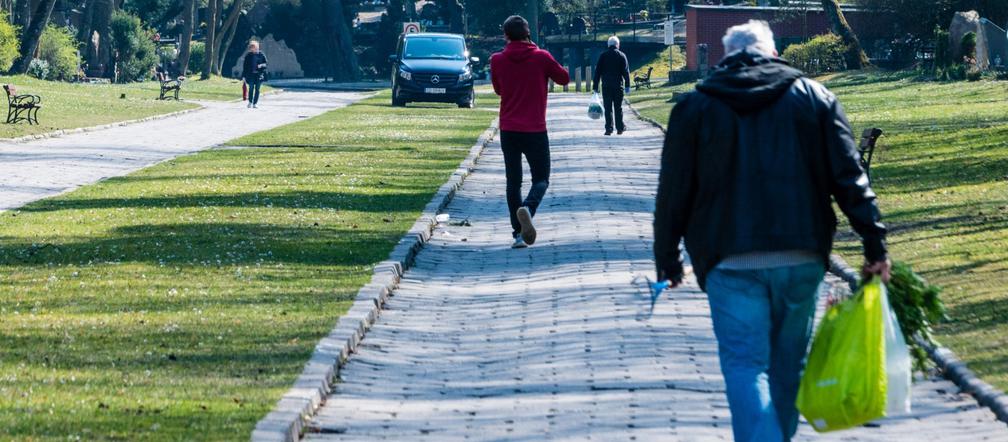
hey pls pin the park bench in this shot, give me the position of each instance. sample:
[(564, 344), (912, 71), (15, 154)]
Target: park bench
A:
[(22, 107), (867, 147), (643, 80), (170, 85)]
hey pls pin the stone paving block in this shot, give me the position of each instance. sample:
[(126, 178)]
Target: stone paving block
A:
[(554, 342)]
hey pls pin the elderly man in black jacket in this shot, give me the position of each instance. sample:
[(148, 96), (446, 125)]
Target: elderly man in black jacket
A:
[(614, 72), (750, 164)]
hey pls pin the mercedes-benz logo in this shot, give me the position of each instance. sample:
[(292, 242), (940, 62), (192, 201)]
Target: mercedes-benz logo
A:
[(435, 79)]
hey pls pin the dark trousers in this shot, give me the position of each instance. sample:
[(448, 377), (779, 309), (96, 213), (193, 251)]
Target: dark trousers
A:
[(253, 89), (612, 102), (535, 147)]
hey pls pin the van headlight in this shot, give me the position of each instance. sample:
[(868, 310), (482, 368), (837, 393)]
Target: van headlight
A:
[(406, 75), (465, 76)]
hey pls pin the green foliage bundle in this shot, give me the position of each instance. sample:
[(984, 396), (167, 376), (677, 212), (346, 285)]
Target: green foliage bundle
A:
[(917, 305), (9, 43), (133, 43), (58, 48), (967, 46), (824, 53), (197, 54), (38, 68)]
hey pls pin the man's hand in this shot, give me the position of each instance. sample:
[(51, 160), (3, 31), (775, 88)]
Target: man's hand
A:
[(881, 268), (626, 90)]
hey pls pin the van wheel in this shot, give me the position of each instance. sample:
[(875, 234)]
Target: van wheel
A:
[(396, 101), (468, 103)]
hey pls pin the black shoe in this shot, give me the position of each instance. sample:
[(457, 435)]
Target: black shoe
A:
[(620, 132), (608, 132)]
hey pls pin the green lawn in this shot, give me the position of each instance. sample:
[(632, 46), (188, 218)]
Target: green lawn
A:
[(182, 301), (72, 105), (941, 173)]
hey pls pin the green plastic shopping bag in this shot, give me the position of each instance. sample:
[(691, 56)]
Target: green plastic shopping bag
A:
[(844, 384)]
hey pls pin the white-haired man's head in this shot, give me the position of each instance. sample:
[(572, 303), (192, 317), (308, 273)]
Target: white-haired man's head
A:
[(755, 35), (614, 42)]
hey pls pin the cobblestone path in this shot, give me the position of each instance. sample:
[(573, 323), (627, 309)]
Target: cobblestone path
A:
[(481, 342)]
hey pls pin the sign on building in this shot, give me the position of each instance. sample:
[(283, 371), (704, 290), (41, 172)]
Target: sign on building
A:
[(411, 28)]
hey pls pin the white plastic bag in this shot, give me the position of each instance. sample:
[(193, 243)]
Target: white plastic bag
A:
[(595, 107), (898, 363)]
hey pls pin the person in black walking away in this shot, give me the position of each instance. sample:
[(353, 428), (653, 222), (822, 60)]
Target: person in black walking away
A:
[(520, 74), (254, 72), (614, 71), (751, 163)]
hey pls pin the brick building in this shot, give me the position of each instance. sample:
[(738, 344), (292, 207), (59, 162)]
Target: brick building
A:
[(706, 24)]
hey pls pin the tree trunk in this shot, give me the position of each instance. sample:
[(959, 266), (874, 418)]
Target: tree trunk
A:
[(24, 13), (532, 15), (226, 28), (84, 28), (30, 39), (209, 56), (185, 46), (226, 46), (855, 56), (343, 59)]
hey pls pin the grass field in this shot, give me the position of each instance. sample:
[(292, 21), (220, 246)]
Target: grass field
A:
[(185, 298), (941, 172), (72, 105)]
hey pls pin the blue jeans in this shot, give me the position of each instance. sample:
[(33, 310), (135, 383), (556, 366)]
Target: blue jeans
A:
[(763, 321)]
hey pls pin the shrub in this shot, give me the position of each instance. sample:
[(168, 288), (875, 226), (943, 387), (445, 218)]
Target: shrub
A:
[(967, 47), (58, 47), (38, 68), (197, 53), (133, 43), (824, 53), (9, 43)]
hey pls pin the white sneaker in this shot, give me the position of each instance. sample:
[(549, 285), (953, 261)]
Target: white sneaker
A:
[(255, 106), (250, 105), (528, 231), (519, 243)]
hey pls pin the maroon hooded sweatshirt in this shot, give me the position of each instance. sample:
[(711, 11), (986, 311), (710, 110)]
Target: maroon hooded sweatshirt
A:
[(519, 76)]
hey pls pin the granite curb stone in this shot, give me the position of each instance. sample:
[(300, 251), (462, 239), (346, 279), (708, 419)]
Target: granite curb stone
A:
[(287, 420)]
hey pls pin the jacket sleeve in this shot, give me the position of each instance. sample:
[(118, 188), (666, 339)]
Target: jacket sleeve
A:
[(245, 66), (598, 72), (676, 187), (554, 71), (626, 71), (264, 61), (849, 183), (494, 78)]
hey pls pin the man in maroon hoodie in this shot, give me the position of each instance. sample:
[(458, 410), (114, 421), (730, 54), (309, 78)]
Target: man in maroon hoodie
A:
[(520, 74)]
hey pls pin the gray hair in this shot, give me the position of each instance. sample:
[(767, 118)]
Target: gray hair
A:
[(755, 35), (614, 41)]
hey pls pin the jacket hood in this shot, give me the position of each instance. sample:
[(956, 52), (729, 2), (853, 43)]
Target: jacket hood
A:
[(748, 81), (519, 50)]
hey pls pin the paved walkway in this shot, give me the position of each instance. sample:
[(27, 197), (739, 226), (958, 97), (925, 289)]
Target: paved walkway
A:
[(481, 342), (34, 170)]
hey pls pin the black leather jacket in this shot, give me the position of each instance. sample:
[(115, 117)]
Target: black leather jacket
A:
[(612, 69), (750, 163)]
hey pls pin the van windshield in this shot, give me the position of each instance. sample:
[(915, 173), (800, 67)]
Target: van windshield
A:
[(441, 48)]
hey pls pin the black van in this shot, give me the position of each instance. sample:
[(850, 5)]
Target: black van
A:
[(433, 68)]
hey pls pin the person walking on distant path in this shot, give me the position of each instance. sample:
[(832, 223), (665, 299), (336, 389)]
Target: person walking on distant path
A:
[(614, 71), (750, 162), (254, 72), (520, 75)]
